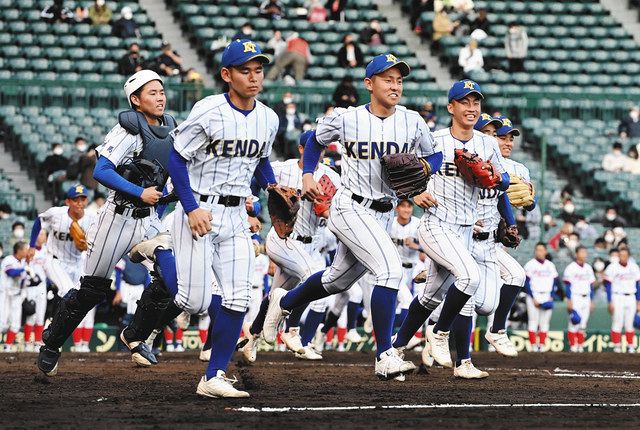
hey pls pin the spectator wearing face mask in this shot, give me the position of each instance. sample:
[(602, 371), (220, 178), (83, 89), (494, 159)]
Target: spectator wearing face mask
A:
[(289, 130), (629, 126), (569, 212), (586, 231), (350, 54), (562, 236), (611, 219), (619, 237), (372, 35), (609, 239), (516, 44), (346, 93), (632, 162), (131, 62), (5, 211), (55, 169), (126, 27), (73, 169), (100, 13), (615, 160), (548, 221), (17, 232)]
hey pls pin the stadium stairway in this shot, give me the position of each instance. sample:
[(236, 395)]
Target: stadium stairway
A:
[(625, 15), (422, 51), (12, 172)]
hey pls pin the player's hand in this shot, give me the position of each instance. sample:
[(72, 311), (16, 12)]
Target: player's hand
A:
[(116, 299), (200, 222), (325, 214), (610, 308), (425, 200), (536, 303), (310, 189), (477, 227), (150, 196), (31, 254), (254, 224), (569, 306), (638, 307), (592, 306), (248, 204), (410, 243)]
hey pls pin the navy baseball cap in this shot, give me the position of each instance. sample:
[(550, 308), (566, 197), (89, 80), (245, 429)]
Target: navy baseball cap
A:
[(383, 62), (328, 161), (77, 191), (507, 127), (463, 88), (485, 119), (240, 51), (304, 137)]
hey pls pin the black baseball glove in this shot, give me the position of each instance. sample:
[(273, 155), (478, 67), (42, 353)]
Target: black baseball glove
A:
[(408, 175), (508, 235)]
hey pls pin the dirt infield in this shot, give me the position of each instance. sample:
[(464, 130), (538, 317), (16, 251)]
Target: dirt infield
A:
[(534, 390)]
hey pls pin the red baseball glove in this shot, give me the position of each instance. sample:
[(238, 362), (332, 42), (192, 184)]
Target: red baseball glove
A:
[(475, 170), (322, 203)]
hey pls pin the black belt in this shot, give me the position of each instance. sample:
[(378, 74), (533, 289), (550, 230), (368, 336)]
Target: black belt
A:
[(407, 265), (582, 295), (376, 205), (484, 235), (227, 201), (136, 213), (303, 239), (624, 294)]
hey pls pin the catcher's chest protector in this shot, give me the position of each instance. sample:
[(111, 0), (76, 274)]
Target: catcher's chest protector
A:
[(156, 141)]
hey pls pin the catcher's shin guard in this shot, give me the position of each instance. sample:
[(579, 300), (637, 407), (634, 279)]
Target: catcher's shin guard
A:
[(170, 313), (151, 306), (73, 308)]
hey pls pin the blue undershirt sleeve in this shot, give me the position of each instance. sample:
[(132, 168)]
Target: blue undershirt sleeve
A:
[(567, 289), (264, 173), (180, 178), (35, 231), (607, 287), (504, 207), (312, 152), (504, 183), (527, 286), (105, 173)]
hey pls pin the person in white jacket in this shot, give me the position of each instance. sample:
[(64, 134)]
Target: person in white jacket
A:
[(470, 58)]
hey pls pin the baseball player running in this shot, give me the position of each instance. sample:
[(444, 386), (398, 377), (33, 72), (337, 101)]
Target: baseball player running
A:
[(66, 256), (541, 284), (361, 211), (132, 164), (578, 286), (225, 141), (296, 257), (14, 281), (38, 293), (446, 228), (622, 283)]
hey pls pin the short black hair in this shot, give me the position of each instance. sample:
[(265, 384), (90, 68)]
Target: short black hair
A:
[(541, 244), (580, 248), (617, 145), (612, 250), (79, 138), (53, 145), (16, 224), (18, 245)]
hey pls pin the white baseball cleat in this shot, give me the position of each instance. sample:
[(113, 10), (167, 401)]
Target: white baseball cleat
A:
[(308, 354), (29, 347), (292, 340), (145, 249), (617, 349), (205, 355), (500, 341), (318, 339), (353, 336), (368, 325), (467, 370), (390, 365), (275, 316), (439, 343), (170, 348), (427, 358), (250, 349), (414, 342), (183, 320), (179, 348), (219, 387)]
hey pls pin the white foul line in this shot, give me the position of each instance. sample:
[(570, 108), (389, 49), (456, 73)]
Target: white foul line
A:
[(436, 406)]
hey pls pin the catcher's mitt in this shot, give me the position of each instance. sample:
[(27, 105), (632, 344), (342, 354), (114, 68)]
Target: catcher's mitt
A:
[(508, 235), (79, 238), (475, 170), (322, 203), (408, 174), (28, 307), (521, 193), (283, 204)]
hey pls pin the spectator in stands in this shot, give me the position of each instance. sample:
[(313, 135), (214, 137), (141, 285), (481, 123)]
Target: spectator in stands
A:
[(289, 130), (569, 212), (169, 62), (615, 160), (272, 9), (480, 27), (547, 221), (317, 12), (529, 221), (280, 107), (5, 211), (132, 61), (73, 167), (610, 218), (126, 27), (619, 237), (55, 169), (630, 125), (56, 12), (632, 163), (372, 34), (418, 7), (297, 56), (277, 44), (350, 54), (516, 44), (470, 58), (17, 233), (442, 25), (335, 8), (586, 231), (562, 236), (567, 248), (600, 244), (86, 165), (346, 93), (100, 13), (428, 113), (245, 32)]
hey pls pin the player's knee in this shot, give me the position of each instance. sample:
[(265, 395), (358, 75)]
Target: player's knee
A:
[(516, 277), (193, 304), (390, 278), (487, 308)]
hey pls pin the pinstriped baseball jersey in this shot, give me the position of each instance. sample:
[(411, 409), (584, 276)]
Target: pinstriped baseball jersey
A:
[(399, 232), (288, 173), (119, 147), (56, 222), (488, 199), (365, 138), (458, 200), (580, 278), (623, 278), (223, 146), (541, 278)]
